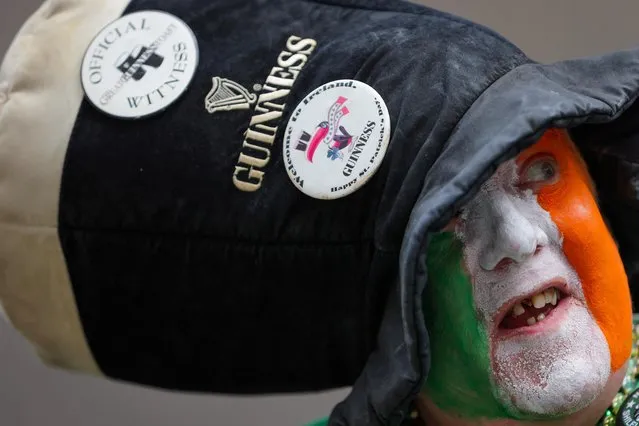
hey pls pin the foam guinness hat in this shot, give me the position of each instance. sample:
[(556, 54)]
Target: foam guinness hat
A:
[(236, 197)]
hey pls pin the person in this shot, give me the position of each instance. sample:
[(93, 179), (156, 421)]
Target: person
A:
[(181, 220), (528, 307), (525, 328)]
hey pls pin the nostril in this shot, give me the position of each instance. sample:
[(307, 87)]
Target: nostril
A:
[(503, 264), (538, 249)]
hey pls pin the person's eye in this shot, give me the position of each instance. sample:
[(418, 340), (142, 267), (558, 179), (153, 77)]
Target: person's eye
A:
[(538, 171)]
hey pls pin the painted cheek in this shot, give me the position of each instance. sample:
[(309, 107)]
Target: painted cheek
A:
[(591, 250), (460, 378)]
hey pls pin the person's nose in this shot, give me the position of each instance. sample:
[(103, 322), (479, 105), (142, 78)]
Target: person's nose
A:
[(513, 237)]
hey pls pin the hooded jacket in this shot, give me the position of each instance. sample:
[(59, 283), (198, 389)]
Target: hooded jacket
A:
[(128, 251)]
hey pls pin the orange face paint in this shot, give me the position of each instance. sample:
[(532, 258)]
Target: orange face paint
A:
[(588, 244)]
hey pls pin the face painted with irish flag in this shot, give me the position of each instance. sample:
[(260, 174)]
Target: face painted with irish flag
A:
[(527, 305)]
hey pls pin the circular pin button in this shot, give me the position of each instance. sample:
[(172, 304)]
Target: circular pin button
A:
[(336, 139), (139, 64)]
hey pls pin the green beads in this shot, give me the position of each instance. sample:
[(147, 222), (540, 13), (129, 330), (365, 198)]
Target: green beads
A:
[(609, 420), (629, 384), (617, 401)]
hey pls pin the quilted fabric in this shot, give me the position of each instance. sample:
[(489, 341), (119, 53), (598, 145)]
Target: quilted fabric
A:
[(126, 250)]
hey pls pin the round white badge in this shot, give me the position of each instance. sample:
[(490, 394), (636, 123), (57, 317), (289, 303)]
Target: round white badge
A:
[(336, 139), (139, 64)]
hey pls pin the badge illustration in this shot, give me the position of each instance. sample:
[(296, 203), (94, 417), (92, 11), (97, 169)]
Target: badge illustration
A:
[(328, 133), (336, 139), (139, 64)]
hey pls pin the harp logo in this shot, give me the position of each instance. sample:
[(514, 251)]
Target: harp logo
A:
[(227, 95)]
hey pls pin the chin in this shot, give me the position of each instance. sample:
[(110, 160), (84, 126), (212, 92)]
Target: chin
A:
[(554, 368), (587, 416)]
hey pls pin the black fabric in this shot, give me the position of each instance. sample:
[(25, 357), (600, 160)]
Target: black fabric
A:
[(615, 168), (184, 282)]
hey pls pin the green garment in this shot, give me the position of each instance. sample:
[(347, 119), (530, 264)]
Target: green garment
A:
[(320, 422)]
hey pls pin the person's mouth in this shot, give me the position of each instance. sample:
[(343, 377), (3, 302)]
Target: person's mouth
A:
[(532, 310)]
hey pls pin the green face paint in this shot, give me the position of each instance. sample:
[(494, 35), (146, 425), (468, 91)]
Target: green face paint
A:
[(459, 381)]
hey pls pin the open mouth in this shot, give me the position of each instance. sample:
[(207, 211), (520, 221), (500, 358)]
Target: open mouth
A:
[(533, 309)]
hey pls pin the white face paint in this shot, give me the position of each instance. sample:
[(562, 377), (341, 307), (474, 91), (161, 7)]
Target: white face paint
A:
[(513, 251)]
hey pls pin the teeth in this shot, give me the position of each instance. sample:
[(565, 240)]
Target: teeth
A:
[(548, 295), (539, 300)]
